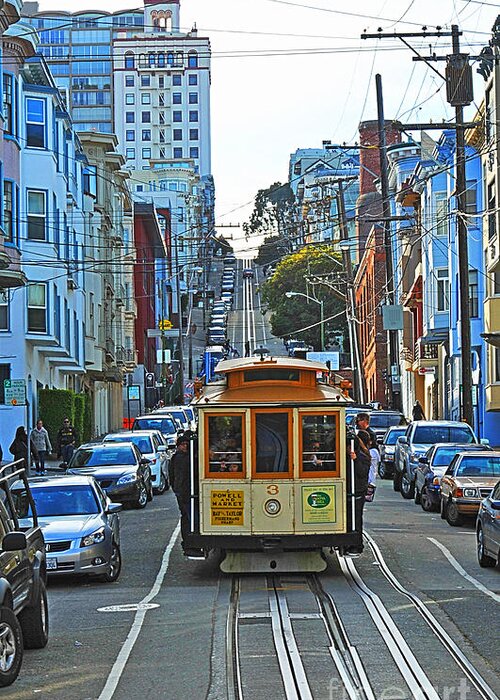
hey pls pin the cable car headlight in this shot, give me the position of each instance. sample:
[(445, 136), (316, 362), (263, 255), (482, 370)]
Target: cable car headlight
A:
[(272, 506)]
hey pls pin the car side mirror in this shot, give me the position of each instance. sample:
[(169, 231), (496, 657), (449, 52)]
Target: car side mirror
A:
[(14, 541), (114, 508), (403, 440), (423, 460)]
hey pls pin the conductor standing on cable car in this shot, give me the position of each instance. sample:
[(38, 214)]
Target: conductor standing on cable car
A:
[(180, 480)]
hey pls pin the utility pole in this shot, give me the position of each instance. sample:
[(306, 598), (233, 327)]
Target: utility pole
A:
[(357, 373), (394, 370), (179, 314), (459, 93)]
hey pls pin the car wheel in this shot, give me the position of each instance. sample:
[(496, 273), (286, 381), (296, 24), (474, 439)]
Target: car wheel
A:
[(407, 487), (11, 646), (115, 565), (162, 486), (34, 621), (425, 501), (484, 560), (142, 497), (418, 496), (382, 471), (150, 492), (443, 508), (396, 484), (453, 517)]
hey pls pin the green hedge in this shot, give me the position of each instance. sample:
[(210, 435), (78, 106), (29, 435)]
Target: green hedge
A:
[(87, 419), (54, 405), (79, 403)]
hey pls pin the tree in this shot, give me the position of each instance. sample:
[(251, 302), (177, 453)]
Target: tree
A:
[(273, 212), (299, 272), (271, 251)]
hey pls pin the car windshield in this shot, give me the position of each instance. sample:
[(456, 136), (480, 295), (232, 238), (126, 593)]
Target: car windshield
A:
[(385, 420), (430, 434), (392, 436), (55, 500), (444, 455), (164, 425), (143, 442), (479, 466), (189, 412), (102, 457)]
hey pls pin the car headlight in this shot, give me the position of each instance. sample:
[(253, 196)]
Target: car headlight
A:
[(470, 493), (126, 479), (94, 538)]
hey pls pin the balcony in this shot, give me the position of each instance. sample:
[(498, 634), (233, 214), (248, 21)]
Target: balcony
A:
[(426, 354), (110, 351), (11, 275), (493, 254)]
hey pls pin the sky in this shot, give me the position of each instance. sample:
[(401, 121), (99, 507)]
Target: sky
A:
[(288, 74)]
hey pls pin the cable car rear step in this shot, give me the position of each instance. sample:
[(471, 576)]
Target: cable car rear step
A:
[(312, 561)]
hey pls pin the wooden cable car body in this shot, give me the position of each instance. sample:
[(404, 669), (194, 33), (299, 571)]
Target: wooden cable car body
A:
[(271, 478)]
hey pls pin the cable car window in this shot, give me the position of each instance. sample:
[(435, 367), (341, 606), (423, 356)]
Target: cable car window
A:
[(271, 443), (271, 374), (319, 443), (225, 444)]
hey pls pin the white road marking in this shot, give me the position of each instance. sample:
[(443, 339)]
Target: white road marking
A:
[(463, 572), (122, 658)]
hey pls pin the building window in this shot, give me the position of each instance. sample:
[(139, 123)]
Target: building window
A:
[(177, 152), (193, 98), (496, 364), (471, 197), (146, 98), (194, 152), (35, 123), (177, 80), (491, 211), (37, 308), (146, 117), (4, 309), (161, 116), (193, 79), (129, 60), (4, 374), (442, 288), (161, 60), (176, 116), (162, 135), (161, 99), (146, 153), (145, 80), (193, 135), (177, 134), (129, 81), (139, 188), (161, 82), (495, 284), (152, 59), (146, 134), (9, 105), (176, 98), (130, 98), (441, 204), (193, 115), (8, 211), (473, 294), (37, 214), (130, 135), (192, 59), (163, 153), (130, 153), (130, 117)]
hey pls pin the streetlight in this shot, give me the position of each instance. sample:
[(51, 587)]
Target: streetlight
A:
[(321, 314)]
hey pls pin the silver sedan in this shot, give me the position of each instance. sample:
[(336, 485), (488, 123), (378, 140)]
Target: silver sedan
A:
[(80, 525)]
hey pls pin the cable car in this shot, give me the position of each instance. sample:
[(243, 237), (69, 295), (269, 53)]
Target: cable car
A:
[(270, 479)]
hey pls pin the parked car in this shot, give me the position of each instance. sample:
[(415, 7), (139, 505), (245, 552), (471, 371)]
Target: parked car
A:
[(165, 424), (381, 421), (419, 436), (469, 478), (229, 259), (488, 529), (80, 525), (153, 447), (386, 466), (227, 287), (176, 412), (248, 273), (123, 473), (431, 468), (191, 414), (24, 613)]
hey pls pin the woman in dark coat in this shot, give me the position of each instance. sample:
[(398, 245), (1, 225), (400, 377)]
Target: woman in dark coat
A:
[(362, 462), (19, 446)]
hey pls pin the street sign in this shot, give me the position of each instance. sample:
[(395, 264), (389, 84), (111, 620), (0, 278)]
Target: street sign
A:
[(426, 370), (164, 324), (163, 357), (15, 391), (156, 333), (134, 393), (332, 357)]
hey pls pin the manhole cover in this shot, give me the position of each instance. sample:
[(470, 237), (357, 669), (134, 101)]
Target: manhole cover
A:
[(128, 607)]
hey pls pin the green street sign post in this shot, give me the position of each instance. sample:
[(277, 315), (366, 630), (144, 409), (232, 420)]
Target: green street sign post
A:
[(15, 392)]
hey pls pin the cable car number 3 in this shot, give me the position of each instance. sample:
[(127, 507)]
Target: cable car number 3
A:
[(273, 489)]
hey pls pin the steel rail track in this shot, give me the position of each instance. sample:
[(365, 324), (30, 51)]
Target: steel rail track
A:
[(460, 659)]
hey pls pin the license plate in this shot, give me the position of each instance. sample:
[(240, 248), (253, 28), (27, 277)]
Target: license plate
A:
[(51, 563)]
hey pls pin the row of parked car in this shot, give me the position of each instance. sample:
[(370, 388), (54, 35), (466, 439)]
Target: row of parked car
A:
[(217, 329), (69, 523), (445, 468)]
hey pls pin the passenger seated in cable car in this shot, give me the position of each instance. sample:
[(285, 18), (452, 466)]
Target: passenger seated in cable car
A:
[(317, 458)]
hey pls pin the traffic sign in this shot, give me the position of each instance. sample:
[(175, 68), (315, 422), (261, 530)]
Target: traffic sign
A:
[(156, 333), (426, 370), (164, 324), (15, 391)]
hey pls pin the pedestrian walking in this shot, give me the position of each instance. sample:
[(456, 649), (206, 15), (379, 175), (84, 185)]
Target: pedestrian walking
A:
[(247, 348), (66, 441), (40, 439), (417, 411), (19, 446), (362, 463), (363, 423), (374, 463), (180, 481)]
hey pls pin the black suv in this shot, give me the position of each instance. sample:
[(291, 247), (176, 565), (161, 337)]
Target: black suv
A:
[(24, 622)]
